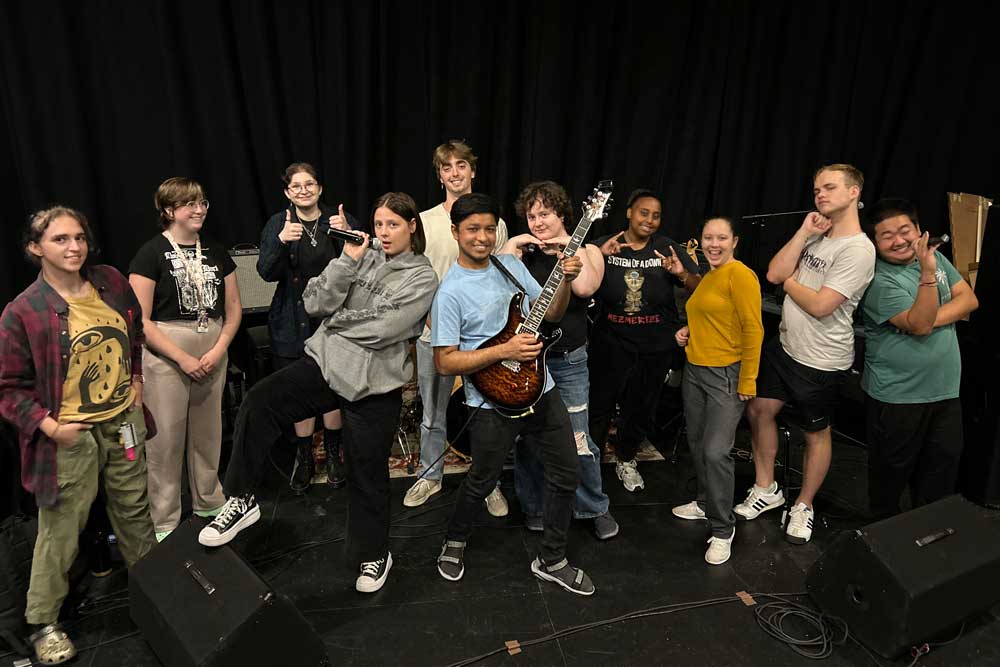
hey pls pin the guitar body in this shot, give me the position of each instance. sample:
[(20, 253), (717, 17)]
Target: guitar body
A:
[(514, 386)]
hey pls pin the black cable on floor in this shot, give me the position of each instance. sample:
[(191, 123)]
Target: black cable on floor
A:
[(817, 642), (642, 613)]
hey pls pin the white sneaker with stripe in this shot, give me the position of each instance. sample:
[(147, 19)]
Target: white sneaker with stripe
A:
[(800, 524), (759, 501)]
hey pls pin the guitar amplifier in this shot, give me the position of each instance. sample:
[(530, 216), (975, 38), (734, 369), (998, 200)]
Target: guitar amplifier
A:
[(255, 292)]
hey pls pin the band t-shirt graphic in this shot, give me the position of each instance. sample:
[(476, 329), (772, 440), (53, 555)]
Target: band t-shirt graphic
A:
[(844, 264), (175, 296), (98, 382), (636, 297)]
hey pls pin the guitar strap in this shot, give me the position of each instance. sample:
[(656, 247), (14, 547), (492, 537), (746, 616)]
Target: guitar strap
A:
[(510, 276)]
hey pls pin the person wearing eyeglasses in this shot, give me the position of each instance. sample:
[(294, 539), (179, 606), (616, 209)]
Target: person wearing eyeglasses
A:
[(295, 247), (186, 285)]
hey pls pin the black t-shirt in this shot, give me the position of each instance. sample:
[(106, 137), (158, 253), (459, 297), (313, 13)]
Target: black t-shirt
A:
[(574, 321), (310, 261), (174, 297), (636, 297)]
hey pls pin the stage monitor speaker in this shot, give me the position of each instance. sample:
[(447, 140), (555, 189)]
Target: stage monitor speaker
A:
[(209, 608), (255, 292), (899, 582)]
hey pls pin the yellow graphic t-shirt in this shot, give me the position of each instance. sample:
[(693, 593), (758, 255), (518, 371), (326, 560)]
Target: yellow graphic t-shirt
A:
[(98, 383)]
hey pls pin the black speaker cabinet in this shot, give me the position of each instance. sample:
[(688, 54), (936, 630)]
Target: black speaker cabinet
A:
[(208, 607), (899, 582)]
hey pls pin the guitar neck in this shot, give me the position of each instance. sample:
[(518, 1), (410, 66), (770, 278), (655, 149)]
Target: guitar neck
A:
[(541, 306)]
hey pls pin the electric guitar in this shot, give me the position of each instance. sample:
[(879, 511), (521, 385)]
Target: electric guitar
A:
[(513, 387)]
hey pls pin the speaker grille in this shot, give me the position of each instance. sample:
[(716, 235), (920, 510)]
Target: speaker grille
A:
[(255, 293)]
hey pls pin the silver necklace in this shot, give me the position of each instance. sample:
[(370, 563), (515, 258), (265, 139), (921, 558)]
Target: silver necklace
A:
[(311, 234)]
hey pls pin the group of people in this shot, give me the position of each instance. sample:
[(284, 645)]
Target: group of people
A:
[(89, 358)]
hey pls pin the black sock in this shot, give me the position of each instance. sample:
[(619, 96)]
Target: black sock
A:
[(331, 440), (303, 441)]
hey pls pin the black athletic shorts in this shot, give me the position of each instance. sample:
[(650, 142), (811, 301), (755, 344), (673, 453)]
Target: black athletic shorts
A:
[(811, 391)]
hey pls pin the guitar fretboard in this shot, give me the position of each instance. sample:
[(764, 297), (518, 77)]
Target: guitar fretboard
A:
[(541, 306)]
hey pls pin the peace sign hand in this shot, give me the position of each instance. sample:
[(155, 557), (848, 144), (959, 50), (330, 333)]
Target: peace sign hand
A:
[(614, 245)]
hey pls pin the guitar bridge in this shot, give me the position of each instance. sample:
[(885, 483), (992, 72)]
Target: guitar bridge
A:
[(512, 365)]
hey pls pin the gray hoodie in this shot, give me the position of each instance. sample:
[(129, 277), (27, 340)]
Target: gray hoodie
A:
[(371, 309)]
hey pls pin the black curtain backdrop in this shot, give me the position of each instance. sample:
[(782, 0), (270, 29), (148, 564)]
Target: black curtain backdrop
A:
[(724, 106)]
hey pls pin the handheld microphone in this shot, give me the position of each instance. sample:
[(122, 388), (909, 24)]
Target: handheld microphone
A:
[(353, 238), (938, 240)]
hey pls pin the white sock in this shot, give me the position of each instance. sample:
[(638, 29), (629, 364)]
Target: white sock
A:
[(769, 490)]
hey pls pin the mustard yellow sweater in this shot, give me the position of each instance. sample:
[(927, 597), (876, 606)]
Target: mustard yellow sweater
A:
[(725, 323)]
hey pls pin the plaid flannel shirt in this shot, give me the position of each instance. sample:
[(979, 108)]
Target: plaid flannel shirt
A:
[(34, 358)]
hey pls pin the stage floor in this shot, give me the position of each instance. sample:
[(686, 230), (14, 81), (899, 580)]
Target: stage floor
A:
[(418, 618)]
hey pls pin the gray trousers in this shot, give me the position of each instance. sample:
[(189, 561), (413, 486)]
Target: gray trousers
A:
[(712, 409)]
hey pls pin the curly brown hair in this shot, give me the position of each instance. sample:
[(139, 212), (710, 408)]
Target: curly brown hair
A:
[(550, 194)]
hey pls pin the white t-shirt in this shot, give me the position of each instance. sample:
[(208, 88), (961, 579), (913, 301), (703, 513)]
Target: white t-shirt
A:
[(847, 265), (442, 249)]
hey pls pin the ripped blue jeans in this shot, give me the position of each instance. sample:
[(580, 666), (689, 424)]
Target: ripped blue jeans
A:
[(569, 371)]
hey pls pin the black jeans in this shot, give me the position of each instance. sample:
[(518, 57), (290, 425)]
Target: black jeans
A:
[(628, 377), (919, 444), (299, 391), (492, 436)]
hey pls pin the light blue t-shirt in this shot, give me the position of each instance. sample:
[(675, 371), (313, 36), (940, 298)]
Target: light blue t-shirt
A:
[(470, 307)]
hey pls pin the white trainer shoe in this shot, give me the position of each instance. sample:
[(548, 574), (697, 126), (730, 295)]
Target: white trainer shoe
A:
[(759, 501), (800, 524), (420, 492), (719, 549), (496, 504), (629, 475), (691, 511)]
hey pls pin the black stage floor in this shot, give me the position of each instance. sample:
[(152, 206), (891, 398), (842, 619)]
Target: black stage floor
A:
[(420, 619)]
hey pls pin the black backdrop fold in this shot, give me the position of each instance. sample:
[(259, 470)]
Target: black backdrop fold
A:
[(724, 106)]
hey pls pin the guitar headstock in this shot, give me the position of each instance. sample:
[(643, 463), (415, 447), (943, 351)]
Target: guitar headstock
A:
[(598, 204)]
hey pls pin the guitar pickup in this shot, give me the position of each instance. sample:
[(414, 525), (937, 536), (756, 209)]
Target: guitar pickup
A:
[(512, 365)]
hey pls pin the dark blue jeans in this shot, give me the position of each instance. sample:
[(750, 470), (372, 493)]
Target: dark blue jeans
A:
[(569, 371)]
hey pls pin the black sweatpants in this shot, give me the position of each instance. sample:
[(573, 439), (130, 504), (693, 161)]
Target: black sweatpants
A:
[(299, 391)]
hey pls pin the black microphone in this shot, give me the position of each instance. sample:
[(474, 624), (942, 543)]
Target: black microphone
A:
[(353, 237), (938, 240)]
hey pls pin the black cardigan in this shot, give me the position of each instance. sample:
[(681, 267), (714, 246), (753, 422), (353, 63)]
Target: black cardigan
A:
[(287, 320)]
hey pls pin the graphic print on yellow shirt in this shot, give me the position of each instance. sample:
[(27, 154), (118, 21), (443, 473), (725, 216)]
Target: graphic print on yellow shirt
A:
[(98, 382)]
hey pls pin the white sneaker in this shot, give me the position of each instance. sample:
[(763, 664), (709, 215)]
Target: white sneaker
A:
[(496, 504), (420, 492), (759, 501), (373, 574), (719, 549), (690, 511), (800, 524), (629, 475)]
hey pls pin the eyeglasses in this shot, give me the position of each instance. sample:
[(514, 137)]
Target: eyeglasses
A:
[(194, 204), (303, 187)]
